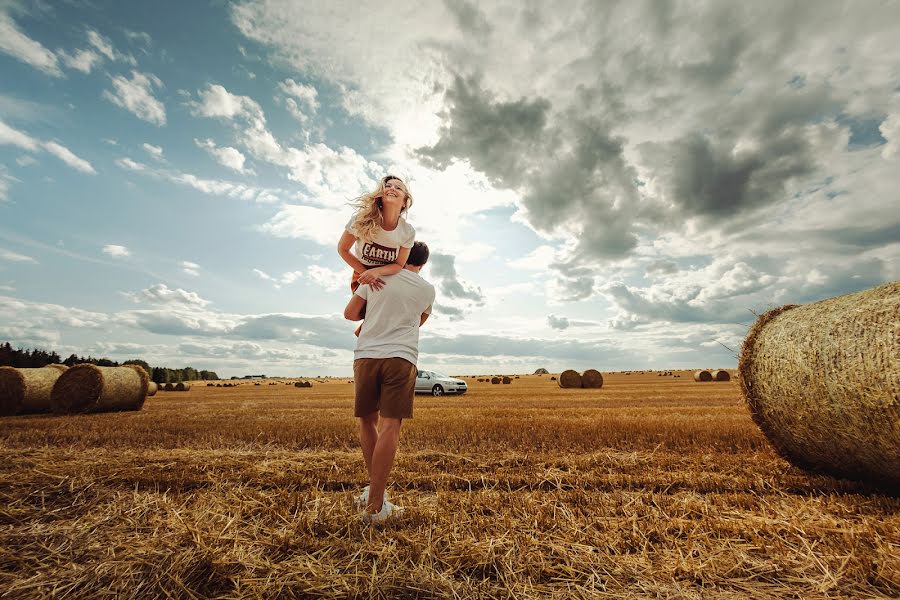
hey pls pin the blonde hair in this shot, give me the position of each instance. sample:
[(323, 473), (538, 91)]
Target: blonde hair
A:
[(368, 216)]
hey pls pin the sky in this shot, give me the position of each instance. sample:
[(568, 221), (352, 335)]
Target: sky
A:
[(608, 185)]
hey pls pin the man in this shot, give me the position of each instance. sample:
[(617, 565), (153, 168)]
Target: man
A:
[(384, 369)]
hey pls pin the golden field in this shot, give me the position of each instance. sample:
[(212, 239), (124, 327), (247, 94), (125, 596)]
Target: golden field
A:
[(649, 487)]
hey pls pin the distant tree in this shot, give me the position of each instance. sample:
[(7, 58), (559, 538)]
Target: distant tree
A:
[(141, 363)]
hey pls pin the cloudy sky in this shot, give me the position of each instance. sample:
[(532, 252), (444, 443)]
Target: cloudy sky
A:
[(614, 185)]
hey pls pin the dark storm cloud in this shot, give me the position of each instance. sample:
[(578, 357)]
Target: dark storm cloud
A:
[(443, 268), (571, 172), (497, 138)]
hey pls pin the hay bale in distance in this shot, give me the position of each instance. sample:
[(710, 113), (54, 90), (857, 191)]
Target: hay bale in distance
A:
[(506, 380), (703, 376), (822, 382), (169, 387), (592, 379), (89, 388), (26, 391), (569, 379), (495, 380), (152, 388), (182, 386), (553, 379), (722, 375)]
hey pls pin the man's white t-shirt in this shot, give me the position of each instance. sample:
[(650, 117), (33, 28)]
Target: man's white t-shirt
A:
[(383, 250), (391, 328)]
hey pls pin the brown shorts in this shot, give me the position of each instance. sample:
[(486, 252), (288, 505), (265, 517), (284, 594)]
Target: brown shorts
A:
[(387, 385)]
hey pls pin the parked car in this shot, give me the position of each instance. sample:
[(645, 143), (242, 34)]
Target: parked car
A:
[(437, 384)]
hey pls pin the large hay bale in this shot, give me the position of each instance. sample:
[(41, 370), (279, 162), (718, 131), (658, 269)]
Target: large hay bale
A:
[(182, 386), (823, 383), (152, 388), (703, 376), (495, 380), (722, 375), (169, 387), (89, 388), (26, 391), (569, 379), (506, 380), (592, 379)]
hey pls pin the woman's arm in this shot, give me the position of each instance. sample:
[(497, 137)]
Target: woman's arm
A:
[(344, 245), (385, 270)]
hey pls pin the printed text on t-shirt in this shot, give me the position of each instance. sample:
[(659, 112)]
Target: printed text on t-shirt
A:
[(377, 253)]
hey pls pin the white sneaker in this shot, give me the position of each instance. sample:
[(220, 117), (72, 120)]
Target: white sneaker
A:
[(360, 501), (387, 511)]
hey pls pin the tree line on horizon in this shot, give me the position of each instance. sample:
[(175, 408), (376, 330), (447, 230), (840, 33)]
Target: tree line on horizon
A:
[(36, 358)]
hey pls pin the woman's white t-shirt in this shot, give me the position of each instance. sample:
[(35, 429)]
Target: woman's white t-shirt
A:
[(383, 250)]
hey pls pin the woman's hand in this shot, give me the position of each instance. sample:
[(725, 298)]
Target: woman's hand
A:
[(371, 277)]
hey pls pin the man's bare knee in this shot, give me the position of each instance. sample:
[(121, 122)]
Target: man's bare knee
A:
[(370, 419), (389, 424)]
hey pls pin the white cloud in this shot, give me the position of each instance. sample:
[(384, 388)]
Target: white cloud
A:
[(136, 96), (320, 225), (101, 44), (218, 103), (82, 60), (131, 165), (14, 137), (190, 268), (278, 282), (23, 48), (11, 256), (890, 131), (26, 160), (154, 151), (226, 156), (162, 295), (330, 279), (538, 259), (305, 93), (66, 155), (116, 251)]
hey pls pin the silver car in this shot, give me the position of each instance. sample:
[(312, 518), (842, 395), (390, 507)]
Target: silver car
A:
[(436, 384)]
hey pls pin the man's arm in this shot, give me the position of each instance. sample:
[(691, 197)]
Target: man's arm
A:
[(356, 309), (423, 318)]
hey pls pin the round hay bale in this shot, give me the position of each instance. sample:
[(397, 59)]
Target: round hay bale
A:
[(151, 388), (722, 375), (569, 379), (169, 387), (182, 386), (553, 379), (26, 391), (89, 388), (823, 384), (592, 379), (506, 380), (703, 376), (495, 380)]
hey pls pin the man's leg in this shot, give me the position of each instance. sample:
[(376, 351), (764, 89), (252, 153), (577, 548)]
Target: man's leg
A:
[(388, 437), (368, 436)]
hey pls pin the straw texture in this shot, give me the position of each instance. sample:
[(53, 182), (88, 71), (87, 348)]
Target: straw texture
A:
[(703, 376), (592, 379), (26, 391), (569, 379), (89, 388), (823, 383)]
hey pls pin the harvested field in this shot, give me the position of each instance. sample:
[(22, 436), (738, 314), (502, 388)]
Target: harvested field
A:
[(648, 487)]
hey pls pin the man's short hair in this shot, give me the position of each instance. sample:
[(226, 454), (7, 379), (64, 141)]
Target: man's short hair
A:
[(418, 255)]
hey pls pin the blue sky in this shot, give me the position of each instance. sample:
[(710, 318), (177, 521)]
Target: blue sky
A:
[(616, 188)]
